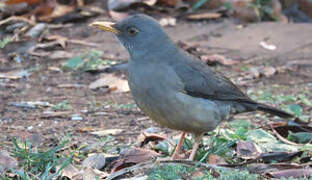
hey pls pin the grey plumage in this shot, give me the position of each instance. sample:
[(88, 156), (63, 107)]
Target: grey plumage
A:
[(174, 88)]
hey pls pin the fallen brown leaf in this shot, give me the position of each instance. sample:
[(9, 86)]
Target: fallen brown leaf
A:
[(70, 171), (58, 10), (247, 150), (168, 2), (96, 161), (7, 162), (111, 81), (243, 11), (14, 75), (107, 132), (60, 55), (30, 2), (278, 156), (205, 15), (294, 173), (133, 156), (216, 58), (215, 159), (145, 138)]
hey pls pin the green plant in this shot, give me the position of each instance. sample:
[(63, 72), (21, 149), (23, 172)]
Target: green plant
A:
[(228, 174), (263, 8), (295, 102), (124, 106), (39, 164), (168, 171), (4, 42), (88, 61), (64, 105)]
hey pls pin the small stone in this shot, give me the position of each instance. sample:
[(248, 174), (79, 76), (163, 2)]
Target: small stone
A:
[(96, 161), (76, 117), (152, 130)]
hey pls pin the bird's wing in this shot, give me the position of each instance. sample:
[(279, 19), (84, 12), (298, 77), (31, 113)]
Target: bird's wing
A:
[(200, 81)]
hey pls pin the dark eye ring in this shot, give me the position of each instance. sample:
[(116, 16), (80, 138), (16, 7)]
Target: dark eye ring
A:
[(132, 31)]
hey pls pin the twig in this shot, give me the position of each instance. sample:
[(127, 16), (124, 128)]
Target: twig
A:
[(75, 41), (128, 169), (281, 138), (17, 18)]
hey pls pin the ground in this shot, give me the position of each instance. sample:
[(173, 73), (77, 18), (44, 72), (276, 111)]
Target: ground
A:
[(102, 110)]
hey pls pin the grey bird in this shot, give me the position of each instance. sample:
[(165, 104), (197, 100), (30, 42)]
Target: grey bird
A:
[(174, 88)]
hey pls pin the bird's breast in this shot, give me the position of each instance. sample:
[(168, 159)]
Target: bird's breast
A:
[(158, 92)]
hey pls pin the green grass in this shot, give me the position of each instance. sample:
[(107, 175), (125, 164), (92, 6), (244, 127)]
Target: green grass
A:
[(291, 103), (38, 164), (168, 171), (178, 171), (229, 175), (4, 42), (88, 61), (64, 105)]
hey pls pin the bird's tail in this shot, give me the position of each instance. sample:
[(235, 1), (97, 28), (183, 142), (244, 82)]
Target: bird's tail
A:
[(274, 111)]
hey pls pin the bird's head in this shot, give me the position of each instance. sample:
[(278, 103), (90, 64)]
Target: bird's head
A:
[(138, 33)]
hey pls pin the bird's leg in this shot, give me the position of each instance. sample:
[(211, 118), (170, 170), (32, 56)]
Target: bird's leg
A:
[(178, 148), (195, 146)]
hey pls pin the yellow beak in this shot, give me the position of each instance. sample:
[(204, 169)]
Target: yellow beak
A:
[(105, 26)]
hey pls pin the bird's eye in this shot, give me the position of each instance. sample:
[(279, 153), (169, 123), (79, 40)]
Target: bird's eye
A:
[(132, 31)]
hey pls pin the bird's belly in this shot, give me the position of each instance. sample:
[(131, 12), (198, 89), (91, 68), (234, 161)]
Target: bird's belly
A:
[(180, 111)]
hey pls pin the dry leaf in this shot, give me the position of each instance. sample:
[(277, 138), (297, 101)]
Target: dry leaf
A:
[(168, 2), (247, 150), (14, 75), (205, 15), (85, 129), (107, 132), (29, 2), (92, 174), (133, 156), (254, 73), (70, 171), (294, 173), (215, 159), (269, 71), (58, 10), (88, 174), (216, 58), (96, 161), (243, 11), (145, 138), (57, 38), (278, 156), (112, 82), (6, 162), (60, 55)]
